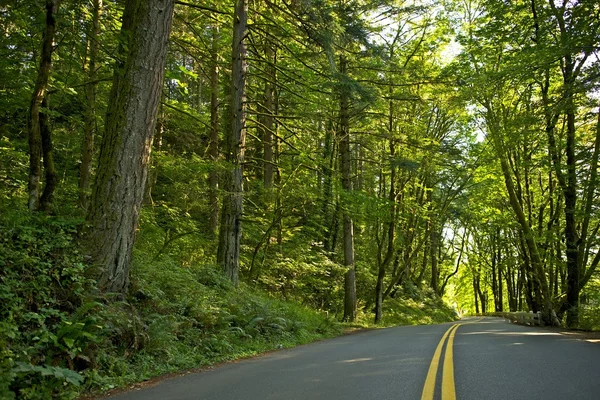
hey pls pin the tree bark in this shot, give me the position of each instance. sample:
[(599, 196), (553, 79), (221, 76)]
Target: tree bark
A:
[(35, 106), (391, 229), (476, 292), (494, 281), (125, 150), (50, 175), (433, 248), (500, 304), (87, 146), (570, 194), (328, 199), (213, 149), (269, 119), (152, 177), (345, 164), (230, 234)]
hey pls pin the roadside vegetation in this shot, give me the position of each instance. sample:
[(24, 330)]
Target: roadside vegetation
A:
[(60, 339)]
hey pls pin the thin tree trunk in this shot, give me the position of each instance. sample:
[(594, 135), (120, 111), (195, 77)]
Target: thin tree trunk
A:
[(125, 151), (383, 265), (536, 260), (268, 119), (476, 292), (213, 150), (510, 289), (494, 281), (230, 234), (345, 166), (157, 146), (589, 200), (35, 106), (500, 305), (434, 238), (90, 123), (570, 194), (50, 175), (328, 213)]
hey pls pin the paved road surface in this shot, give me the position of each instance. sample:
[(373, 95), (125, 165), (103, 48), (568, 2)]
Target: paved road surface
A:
[(489, 359)]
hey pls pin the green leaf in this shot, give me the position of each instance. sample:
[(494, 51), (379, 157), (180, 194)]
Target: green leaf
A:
[(69, 342)]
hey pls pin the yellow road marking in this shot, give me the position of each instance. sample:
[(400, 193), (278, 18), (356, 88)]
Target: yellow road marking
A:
[(448, 389), (429, 388)]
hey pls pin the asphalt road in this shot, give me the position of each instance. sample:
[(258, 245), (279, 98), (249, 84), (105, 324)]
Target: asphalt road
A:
[(488, 358)]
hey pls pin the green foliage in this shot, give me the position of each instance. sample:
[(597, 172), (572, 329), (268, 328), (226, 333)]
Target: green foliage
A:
[(590, 307), (44, 324), (413, 306), (13, 164), (310, 278), (185, 317)]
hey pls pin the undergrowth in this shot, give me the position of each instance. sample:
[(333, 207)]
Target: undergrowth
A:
[(413, 306), (57, 340)]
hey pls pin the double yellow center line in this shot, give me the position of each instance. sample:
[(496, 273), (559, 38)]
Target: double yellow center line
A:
[(448, 389)]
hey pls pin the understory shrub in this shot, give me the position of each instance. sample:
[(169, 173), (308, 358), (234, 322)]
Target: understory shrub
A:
[(46, 330)]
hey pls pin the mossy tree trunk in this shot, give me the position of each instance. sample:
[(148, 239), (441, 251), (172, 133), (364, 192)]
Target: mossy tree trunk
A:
[(125, 150), (35, 119), (50, 174)]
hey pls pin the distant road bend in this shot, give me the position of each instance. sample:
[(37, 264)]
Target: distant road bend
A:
[(475, 359)]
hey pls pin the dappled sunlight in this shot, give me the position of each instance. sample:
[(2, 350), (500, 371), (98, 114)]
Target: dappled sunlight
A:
[(480, 322), (355, 360), (512, 333)]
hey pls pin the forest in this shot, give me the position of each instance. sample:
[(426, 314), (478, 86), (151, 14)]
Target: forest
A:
[(184, 182)]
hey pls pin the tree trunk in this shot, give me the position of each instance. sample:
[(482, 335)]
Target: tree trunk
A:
[(268, 118), (570, 193), (125, 150), (157, 146), (35, 106), (510, 289), (213, 149), (528, 235), (328, 199), (50, 175), (383, 265), (230, 234), (500, 304), (476, 292), (590, 195), (345, 165), (433, 247), (90, 123)]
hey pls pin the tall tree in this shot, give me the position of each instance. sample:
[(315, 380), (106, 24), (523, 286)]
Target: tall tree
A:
[(213, 178), (91, 88), (346, 176), (230, 231), (40, 143), (125, 151)]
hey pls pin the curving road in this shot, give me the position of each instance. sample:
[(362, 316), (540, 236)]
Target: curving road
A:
[(476, 358)]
